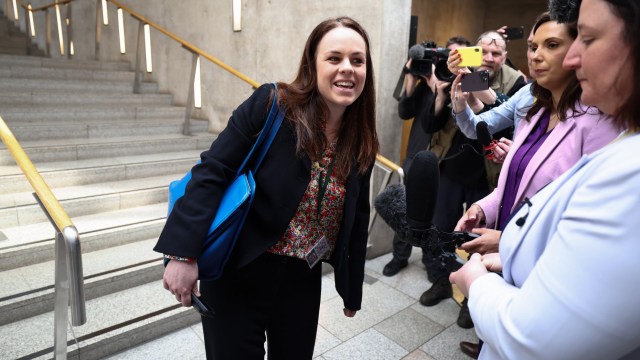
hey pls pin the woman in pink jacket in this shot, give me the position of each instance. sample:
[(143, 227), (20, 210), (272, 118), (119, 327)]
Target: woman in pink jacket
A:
[(558, 130)]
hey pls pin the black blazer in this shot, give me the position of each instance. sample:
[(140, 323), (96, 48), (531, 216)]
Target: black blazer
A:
[(281, 182)]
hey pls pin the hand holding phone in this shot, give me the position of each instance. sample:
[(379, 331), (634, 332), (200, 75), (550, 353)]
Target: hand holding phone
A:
[(514, 33), (470, 56), (475, 81), (200, 306)]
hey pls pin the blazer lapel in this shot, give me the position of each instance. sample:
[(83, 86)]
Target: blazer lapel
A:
[(515, 234), (555, 137)]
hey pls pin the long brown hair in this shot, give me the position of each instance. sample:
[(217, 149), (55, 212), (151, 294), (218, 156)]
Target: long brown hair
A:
[(307, 112), (628, 114), (571, 93)]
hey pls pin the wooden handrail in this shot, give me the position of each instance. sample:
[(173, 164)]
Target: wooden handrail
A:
[(388, 163), (187, 45), (49, 201), (44, 7)]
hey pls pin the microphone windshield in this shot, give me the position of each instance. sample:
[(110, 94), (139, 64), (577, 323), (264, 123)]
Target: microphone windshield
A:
[(422, 190), (483, 134), (391, 205), (416, 52)]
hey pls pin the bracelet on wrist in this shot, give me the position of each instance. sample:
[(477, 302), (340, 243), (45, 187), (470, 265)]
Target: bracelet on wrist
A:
[(179, 258)]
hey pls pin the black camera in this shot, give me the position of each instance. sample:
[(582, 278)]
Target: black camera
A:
[(426, 55)]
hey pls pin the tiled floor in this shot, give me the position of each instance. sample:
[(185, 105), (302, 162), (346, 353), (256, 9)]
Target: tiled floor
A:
[(391, 325)]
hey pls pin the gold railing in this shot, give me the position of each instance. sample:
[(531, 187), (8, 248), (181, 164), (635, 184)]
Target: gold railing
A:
[(69, 281)]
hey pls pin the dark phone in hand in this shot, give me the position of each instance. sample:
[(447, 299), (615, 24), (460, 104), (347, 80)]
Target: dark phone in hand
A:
[(514, 33), (200, 306), (475, 81)]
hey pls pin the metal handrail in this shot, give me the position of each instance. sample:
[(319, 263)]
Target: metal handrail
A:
[(69, 279), (389, 167)]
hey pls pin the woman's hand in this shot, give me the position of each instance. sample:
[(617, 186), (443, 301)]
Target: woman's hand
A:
[(453, 60), (468, 273), (501, 150), (492, 262), (488, 242), (349, 313), (458, 98), (181, 278), (472, 218)]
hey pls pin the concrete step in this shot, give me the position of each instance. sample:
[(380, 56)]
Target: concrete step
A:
[(43, 98), (28, 72), (114, 322), (29, 290), (91, 171), (58, 130), (34, 244), (132, 112), (73, 86), (96, 148), (19, 209), (8, 60)]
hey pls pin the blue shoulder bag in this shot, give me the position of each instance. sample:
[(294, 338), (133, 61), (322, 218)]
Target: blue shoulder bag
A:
[(236, 200)]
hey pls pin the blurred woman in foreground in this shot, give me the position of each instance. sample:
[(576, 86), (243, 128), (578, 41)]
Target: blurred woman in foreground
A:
[(569, 257)]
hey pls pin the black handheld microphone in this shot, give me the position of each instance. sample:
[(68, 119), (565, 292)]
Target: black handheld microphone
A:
[(416, 52), (409, 212), (485, 139), (422, 190)]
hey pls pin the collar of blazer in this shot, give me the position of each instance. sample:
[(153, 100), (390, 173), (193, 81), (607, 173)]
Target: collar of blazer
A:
[(555, 137), (543, 201)]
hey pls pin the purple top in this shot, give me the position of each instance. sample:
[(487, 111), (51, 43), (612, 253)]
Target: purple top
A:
[(518, 165)]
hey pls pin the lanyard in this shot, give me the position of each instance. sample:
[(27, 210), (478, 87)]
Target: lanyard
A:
[(322, 186)]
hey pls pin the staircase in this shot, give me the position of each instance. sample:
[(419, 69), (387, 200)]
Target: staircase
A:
[(108, 155), (14, 42)]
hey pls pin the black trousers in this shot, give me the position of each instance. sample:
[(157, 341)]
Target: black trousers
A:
[(276, 295), (401, 249)]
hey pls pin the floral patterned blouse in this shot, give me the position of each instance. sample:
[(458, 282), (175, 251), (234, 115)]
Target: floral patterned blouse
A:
[(305, 229)]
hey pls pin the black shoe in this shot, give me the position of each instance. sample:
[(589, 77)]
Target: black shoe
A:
[(464, 317), (470, 349), (394, 266), (440, 290)]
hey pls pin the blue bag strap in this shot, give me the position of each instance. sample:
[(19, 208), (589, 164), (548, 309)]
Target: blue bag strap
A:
[(268, 141), (267, 130)]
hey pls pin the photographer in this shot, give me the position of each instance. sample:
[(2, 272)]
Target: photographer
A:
[(464, 173), (425, 99)]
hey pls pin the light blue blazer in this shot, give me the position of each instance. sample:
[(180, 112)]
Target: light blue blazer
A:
[(571, 286)]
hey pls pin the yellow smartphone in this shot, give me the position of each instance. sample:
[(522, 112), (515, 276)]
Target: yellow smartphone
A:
[(471, 56)]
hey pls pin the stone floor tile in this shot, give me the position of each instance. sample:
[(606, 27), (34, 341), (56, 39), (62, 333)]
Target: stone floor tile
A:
[(446, 345), (369, 345), (409, 329), (379, 302)]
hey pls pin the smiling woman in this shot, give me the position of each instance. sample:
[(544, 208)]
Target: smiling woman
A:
[(342, 70), (320, 160)]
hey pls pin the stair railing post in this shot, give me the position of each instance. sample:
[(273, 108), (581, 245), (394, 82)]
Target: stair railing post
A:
[(69, 284), (8, 14), (137, 83), (61, 299), (98, 27), (69, 31), (186, 126), (47, 25), (27, 30)]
